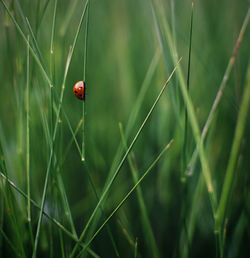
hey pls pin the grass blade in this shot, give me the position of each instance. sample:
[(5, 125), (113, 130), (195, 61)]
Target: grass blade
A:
[(129, 193), (190, 108), (185, 145), (31, 49), (55, 130), (28, 144), (122, 161), (231, 171), (148, 232), (191, 165), (53, 220), (84, 79), (135, 111)]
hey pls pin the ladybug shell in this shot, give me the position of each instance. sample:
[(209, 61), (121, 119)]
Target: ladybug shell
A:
[(79, 90)]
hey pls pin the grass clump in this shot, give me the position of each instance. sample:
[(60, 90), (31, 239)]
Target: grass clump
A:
[(154, 162)]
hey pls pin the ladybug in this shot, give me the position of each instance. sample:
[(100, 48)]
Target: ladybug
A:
[(79, 90)]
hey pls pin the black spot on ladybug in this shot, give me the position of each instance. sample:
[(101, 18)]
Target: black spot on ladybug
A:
[(75, 91)]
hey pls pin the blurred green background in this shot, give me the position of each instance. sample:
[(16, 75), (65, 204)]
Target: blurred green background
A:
[(123, 41)]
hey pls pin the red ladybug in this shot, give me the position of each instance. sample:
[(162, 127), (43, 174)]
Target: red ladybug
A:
[(79, 90)]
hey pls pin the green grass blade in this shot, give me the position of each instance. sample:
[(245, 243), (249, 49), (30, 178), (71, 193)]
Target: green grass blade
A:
[(65, 24), (136, 247), (28, 137), (190, 108), (129, 193), (28, 144), (25, 39), (84, 79), (11, 245), (39, 20), (121, 162), (55, 130), (36, 46), (11, 207), (53, 220), (172, 93), (135, 111), (52, 64), (231, 168), (219, 94), (148, 232), (90, 180), (185, 145)]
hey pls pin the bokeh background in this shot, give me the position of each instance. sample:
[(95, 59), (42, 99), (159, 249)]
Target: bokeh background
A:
[(124, 46)]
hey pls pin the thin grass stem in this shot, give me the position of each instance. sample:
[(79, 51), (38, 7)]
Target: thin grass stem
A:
[(28, 144), (84, 80), (185, 145)]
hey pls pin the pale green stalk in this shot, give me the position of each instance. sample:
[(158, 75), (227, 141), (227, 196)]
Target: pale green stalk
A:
[(52, 66)]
